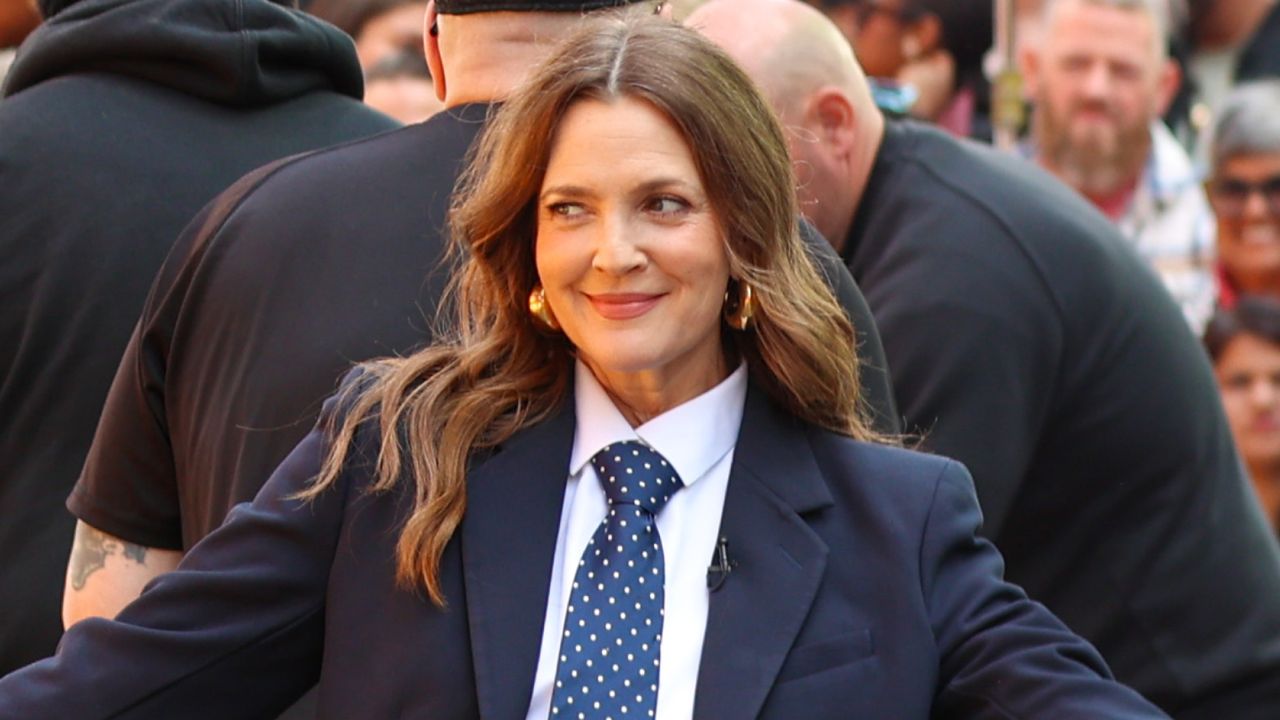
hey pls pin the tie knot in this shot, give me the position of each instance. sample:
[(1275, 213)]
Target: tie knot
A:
[(633, 473)]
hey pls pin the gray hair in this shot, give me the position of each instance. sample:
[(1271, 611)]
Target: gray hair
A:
[(1160, 12), (1248, 121)]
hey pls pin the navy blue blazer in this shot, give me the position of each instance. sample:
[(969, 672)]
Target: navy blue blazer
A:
[(861, 591)]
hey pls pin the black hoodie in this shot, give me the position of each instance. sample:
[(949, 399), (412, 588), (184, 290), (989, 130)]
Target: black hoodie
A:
[(238, 53), (120, 119)]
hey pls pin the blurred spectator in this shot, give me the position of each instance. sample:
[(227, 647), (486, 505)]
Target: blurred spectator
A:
[(400, 86), (1244, 344), (931, 49), (1178, 115), (381, 28), (388, 37), (17, 19), (1245, 191), (1101, 78), (103, 160), (1232, 41)]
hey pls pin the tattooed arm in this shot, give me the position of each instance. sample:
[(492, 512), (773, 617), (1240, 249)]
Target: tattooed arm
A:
[(106, 573)]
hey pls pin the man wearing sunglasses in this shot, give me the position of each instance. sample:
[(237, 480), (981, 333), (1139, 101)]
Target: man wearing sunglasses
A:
[(1245, 191)]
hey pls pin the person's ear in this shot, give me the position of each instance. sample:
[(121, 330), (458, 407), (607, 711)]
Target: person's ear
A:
[(922, 37), (431, 47), (1167, 85), (832, 116), (1029, 63)]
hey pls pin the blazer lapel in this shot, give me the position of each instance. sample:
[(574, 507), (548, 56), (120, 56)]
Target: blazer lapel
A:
[(514, 500), (757, 612)]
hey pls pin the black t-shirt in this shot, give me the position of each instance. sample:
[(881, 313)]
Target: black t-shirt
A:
[(300, 270), (102, 163), (1027, 340)]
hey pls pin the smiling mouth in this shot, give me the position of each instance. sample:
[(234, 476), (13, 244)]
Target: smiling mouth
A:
[(623, 306), (1264, 429), (1260, 234)]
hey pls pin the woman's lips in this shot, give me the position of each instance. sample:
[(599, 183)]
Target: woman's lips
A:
[(623, 306), (1260, 234), (1268, 424)]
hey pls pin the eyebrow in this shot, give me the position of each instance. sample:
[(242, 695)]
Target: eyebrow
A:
[(660, 183), (571, 191)]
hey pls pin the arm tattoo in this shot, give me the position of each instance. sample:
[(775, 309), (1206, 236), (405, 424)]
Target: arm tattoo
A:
[(136, 553), (90, 550)]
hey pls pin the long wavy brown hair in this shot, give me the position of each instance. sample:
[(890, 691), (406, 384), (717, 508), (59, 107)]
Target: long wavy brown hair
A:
[(493, 372)]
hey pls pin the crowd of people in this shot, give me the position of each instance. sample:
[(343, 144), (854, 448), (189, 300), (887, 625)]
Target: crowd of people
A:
[(339, 329)]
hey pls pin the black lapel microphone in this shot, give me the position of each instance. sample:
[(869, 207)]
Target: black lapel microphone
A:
[(720, 566)]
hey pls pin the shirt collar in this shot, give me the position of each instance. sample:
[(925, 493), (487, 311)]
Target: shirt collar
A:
[(1169, 171), (693, 436)]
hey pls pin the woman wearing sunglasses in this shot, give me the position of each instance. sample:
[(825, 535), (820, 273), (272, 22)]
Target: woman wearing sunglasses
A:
[(1245, 192)]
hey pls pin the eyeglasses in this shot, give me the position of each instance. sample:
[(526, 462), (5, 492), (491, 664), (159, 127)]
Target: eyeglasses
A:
[(1231, 195)]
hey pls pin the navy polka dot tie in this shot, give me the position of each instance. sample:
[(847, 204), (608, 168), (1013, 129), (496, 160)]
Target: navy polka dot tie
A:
[(608, 664)]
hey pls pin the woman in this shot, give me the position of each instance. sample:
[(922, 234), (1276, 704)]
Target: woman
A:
[(1245, 191), (631, 482), (380, 28), (1244, 344), (925, 57)]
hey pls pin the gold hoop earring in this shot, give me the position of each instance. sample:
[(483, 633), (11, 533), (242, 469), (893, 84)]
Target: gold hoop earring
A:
[(540, 309), (740, 311)]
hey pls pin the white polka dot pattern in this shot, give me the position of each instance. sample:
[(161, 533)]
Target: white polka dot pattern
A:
[(608, 668)]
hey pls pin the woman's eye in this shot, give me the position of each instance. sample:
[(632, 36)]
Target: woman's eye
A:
[(1237, 382), (565, 209), (667, 205)]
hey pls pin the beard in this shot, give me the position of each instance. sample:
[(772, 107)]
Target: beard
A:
[(1095, 159)]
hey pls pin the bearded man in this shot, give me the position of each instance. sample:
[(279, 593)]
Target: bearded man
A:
[(1101, 79)]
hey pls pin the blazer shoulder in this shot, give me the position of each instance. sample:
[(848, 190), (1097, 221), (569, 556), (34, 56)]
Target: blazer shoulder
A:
[(890, 473), (878, 456)]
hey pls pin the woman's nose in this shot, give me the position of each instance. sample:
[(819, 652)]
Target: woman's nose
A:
[(1264, 393), (1255, 206), (617, 251)]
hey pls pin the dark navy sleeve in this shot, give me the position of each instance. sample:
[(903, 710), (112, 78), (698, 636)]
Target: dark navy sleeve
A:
[(1001, 654)]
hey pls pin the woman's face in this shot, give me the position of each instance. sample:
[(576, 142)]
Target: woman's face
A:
[(1249, 220), (397, 29), (1248, 373), (630, 253), (877, 30)]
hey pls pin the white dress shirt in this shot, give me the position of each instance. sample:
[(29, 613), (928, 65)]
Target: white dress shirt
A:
[(698, 439)]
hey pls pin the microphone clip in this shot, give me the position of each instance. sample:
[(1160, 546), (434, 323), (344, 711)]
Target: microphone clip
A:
[(720, 566)]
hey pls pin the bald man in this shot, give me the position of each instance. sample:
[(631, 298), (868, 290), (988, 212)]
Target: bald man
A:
[(1025, 338)]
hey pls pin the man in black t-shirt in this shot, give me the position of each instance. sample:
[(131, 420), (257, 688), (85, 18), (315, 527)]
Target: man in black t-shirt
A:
[(1025, 339), (108, 146), (298, 271)]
